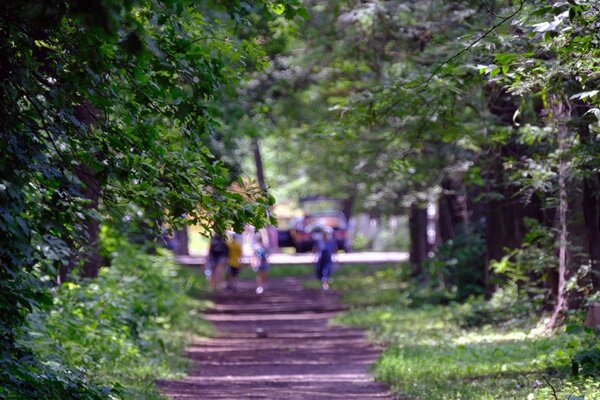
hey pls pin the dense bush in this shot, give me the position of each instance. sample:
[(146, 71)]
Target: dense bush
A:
[(30, 379), (528, 265), (519, 277), (109, 337), (360, 242), (505, 307), (459, 264), (585, 358)]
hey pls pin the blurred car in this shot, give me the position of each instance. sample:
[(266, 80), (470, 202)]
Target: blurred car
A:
[(319, 213), (306, 232)]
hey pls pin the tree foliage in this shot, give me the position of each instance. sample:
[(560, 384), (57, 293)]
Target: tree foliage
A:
[(107, 113), (487, 107)]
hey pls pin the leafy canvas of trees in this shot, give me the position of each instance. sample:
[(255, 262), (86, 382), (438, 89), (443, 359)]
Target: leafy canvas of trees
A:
[(122, 121), (486, 108)]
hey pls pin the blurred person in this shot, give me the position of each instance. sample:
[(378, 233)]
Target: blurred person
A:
[(324, 249), (233, 260), (261, 264), (217, 259)]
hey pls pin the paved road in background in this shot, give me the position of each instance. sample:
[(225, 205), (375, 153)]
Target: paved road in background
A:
[(307, 258)]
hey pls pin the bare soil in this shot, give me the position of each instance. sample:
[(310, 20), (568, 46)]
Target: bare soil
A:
[(278, 345)]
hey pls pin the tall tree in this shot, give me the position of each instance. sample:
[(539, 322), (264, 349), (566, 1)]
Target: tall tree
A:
[(146, 74)]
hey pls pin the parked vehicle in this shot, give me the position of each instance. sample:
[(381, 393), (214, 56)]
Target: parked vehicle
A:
[(319, 213)]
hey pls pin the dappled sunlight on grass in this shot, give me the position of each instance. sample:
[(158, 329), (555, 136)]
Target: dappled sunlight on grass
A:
[(491, 335), (430, 355)]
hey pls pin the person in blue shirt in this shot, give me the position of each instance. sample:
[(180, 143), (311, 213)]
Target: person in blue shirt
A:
[(261, 264), (324, 249)]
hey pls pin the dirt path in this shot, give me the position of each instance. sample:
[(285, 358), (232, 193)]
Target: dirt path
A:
[(301, 357)]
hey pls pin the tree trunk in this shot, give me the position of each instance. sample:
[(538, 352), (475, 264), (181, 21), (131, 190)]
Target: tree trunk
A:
[(560, 113), (260, 172), (348, 203), (419, 247), (494, 231), (452, 208), (590, 200), (87, 115), (504, 214), (577, 239), (91, 192), (272, 237), (445, 228), (502, 105), (591, 212)]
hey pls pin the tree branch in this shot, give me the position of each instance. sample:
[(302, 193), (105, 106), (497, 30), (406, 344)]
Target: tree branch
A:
[(551, 387), (426, 82)]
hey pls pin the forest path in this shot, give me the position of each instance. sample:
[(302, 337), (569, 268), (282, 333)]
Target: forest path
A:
[(301, 357)]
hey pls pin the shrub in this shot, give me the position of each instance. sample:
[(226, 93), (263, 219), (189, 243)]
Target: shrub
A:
[(585, 355), (527, 265), (458, 265), (28, 378), (506, 306), (360, 242), (114, 335)]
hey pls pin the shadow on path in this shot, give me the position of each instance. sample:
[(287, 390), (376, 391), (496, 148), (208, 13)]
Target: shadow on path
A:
[(301, 357)]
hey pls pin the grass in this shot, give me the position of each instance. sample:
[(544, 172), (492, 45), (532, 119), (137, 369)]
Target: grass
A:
[(429, 356)]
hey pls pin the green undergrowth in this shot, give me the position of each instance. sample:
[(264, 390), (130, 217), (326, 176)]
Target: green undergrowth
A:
[(362, 277), (475, 350), (121, 331)]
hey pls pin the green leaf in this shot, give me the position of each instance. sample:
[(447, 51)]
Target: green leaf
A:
[(585, 95)]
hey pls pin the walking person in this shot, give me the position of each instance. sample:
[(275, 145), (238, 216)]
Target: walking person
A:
[(233, 260), (261, 264), (217, 259), (324, 249)]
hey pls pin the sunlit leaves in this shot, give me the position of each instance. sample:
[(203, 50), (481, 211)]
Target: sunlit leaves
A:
[(589, 95)]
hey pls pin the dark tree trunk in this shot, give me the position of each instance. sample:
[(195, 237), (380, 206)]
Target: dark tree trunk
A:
[(494, 241), (505, 214), (445, 227), (453, 209), (348, 204), (90, 191), (591, 212), (273, 239), (503, 105), (505, 228), (494, 231), (590, 200), (577, 240), (419, 248), (260, 172)]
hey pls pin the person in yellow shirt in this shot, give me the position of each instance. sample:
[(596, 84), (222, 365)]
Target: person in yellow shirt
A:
[(233, 260)]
